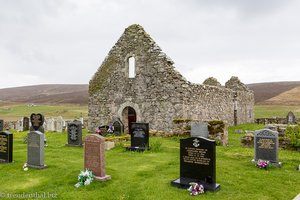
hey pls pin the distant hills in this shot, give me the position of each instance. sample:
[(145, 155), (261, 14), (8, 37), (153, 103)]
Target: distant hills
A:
[(46, 94), (276, 93), (273, 93)]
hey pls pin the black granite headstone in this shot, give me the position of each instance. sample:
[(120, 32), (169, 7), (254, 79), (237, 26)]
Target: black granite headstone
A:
[(1, 124), (6, 147), (25, 123), (37, 122), (74, 134), (266, 145), (139, 136), (118, 127), (197, 163)]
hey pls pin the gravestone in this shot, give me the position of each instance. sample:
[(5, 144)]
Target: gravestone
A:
[(74, 134), (1, 124), (59, 124), (199, 129), (19, 125), (139, 137), (266, 146), (6, 147), (94, 159), (118, 127), (290, 118), (197, 163), (25, 123), (37, 122), (50, 123), (35, 150)]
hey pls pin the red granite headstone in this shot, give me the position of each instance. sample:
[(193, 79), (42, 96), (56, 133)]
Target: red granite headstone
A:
[(94, 159)]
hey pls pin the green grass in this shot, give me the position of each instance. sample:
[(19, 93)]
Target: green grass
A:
[(147, 175), (264, 111), (16, 111)]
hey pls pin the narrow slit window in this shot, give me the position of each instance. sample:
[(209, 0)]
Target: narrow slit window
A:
[(131, 67)]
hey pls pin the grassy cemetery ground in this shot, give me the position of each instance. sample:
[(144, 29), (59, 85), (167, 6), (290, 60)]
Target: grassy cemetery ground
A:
[(67, 111), (262, 111), (147, 175)]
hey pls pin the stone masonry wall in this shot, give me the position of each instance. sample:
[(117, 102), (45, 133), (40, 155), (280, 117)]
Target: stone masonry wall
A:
[(158, 93)]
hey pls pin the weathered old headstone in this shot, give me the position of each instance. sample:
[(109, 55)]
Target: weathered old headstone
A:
[(199, 129), (197, 163), (1, 124), (290, 118), (6, 147), (94, 158), (19, 125), (35, 150), (25, 123), (59, 124), (139, 137), (266, 146), (118, 127), (74, 134), (37, 122)]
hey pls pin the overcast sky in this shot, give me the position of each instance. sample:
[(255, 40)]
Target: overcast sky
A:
[(65, 41)]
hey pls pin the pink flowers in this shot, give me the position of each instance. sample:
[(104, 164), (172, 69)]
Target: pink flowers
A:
[(262, 164)]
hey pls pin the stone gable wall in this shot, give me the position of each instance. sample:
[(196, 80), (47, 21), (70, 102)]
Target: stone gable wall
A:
[(158, 93)]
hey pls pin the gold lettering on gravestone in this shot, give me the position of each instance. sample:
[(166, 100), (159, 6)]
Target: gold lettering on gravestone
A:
[(3, 142), (265, 143), (36, 120), (196, 156)]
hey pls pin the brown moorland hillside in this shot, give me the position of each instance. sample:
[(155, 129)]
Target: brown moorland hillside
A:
[(273, 93), (47, 94), (265, 91)]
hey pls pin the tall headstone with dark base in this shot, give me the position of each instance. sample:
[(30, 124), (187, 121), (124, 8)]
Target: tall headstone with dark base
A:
[(199, 129), (37, 122), (74, 134), (139, 137), (25, 123), (118, 127), (1, 124), (290, 118), (266, 146), (6, 147), (94, 158), (35, 150), (197, 163)]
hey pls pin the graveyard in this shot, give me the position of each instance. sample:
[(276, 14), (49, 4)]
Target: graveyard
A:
[(148, 174)]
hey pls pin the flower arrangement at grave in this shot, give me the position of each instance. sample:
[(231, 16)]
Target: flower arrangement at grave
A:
[(25, 167), (195, 189), (262, 164), (85, 178)]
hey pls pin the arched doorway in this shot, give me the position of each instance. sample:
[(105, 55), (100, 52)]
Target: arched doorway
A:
[(128, 116)]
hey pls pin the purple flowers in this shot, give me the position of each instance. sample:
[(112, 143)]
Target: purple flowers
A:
[(262, 164)]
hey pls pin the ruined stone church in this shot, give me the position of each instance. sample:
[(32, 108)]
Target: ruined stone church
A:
[(137, 82)]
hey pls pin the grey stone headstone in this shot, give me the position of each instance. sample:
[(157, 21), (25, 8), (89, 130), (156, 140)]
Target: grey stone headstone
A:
[(35, 150), (290, 118), (118, 127), (266, 145), (25, 123), (199, 129), (59, 123)]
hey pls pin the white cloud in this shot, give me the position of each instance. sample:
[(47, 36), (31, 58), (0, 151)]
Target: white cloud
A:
[(65, 41)]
